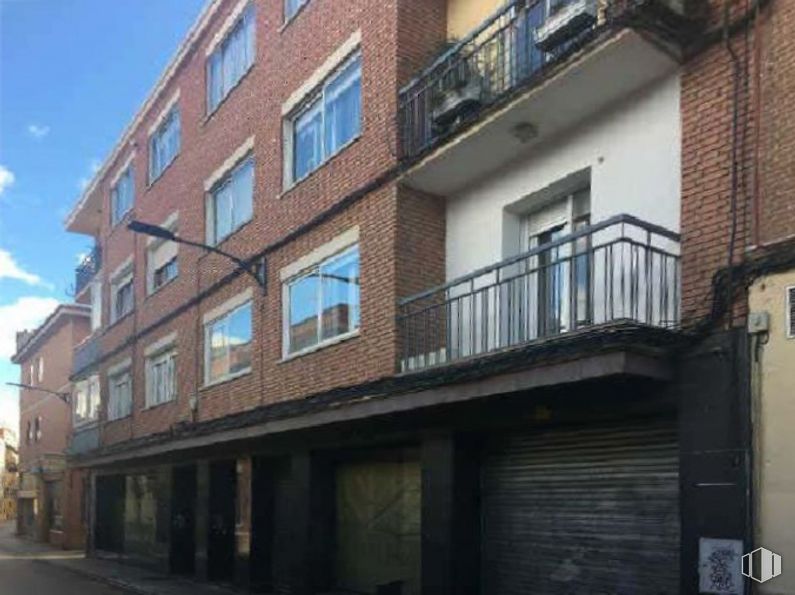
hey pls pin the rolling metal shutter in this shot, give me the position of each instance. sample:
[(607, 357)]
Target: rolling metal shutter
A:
[(582, 510)]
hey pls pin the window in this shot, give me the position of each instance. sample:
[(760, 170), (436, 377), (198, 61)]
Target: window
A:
[(41, 370), (86, 401), (96, 305), (291, 8), (164, 144), (227, 344), (231, 201), (329, 120), (123, 297), (231, 59), (120, 395), (324, 302), (791, 312), (122, 196), (161, 378), (162, 264), (32, 373), (29, 435), (38, 428)]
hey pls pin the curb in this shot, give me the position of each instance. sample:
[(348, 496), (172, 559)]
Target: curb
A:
[(99, 578)]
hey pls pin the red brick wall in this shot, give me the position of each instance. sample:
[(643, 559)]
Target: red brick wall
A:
[(286, 57), (73, 508), (777, 121), (56, 349), (766, 150), (707, 113)]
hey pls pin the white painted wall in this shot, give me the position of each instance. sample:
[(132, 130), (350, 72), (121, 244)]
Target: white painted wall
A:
[(632, 150)]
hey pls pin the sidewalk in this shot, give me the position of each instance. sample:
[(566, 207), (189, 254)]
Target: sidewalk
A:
[(127, 578)]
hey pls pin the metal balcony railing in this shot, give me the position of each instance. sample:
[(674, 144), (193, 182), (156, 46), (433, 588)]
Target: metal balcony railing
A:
[(87, 269), (505, 52), (622, 269)]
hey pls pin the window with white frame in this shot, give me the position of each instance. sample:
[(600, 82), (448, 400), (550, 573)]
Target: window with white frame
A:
[(96, 305), (323, 302), (161, 264), (227, 344), (86, 401), (164, 144), (122, 196), (38, 428), (230, 202), (119, 395), (291, 8), (161, 378), (328, 121), (123, 295), (40, 370), (230, 61)]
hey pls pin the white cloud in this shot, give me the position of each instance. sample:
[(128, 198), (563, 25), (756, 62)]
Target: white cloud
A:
[(38, 131), (9, 408), (6, 178), (93, 168), (9, 269), (25, 314)]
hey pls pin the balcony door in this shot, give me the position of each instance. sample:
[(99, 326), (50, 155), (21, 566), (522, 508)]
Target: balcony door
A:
[(558, 274)]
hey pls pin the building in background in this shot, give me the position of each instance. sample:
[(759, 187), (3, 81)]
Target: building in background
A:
[(9, 463), (500, 339), (47, 492)]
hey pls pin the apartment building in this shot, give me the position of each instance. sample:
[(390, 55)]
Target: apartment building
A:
[(417, 297), (49, 496)]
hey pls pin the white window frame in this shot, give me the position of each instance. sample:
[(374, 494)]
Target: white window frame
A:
[(117, 285), (211, 203), (314, 268), (96, 304), (120, 405), (153, 245), (315, 99), (90, 388), (40, 370), (216, 319), (165, 357), (245, 11), (116, 218), (171, 115)]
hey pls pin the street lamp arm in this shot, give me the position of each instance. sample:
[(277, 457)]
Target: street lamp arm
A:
[(65, 397), (254, 270)]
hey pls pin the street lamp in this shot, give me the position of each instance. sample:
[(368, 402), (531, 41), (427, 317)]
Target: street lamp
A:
[(256, 270), (65, 397)]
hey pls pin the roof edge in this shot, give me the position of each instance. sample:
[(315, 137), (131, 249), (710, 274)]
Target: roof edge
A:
[(197, 29), (62, 311)]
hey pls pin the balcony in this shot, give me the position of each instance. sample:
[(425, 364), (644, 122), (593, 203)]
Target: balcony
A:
[(83, 440), (86, 354), (524, 76), (87, 269), (622, 270)]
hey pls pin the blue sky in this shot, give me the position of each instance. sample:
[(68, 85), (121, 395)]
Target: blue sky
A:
[(72, 75)]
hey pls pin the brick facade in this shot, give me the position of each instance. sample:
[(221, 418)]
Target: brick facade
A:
[(765, 135), (286, 56), (56, 420)]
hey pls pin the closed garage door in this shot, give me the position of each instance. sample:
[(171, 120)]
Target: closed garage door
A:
[(582, 510)]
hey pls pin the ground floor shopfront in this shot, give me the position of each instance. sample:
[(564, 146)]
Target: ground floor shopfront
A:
[(590, 485)]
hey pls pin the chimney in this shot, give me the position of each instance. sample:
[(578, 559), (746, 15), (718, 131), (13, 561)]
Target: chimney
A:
[(22, 339)]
